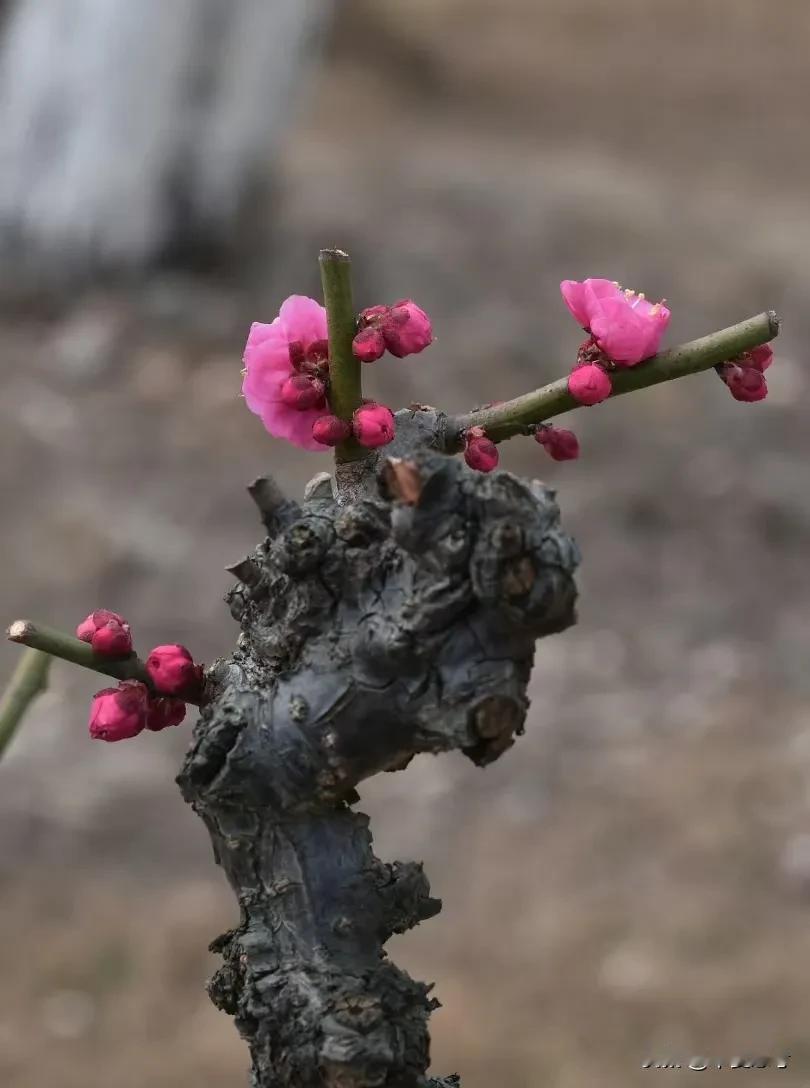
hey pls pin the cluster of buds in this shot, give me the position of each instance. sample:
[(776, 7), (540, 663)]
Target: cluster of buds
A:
[(126, 710), (287, 381), (286, 375), (481, 453), (623, 328), (402, 329), (372, 425), (107, 632), (745, 375)]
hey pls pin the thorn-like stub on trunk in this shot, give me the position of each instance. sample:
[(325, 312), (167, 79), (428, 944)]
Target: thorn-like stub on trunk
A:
[(495, 715), (276, 510), (519, 578), (319, 487), (246, 570), (402, 480)]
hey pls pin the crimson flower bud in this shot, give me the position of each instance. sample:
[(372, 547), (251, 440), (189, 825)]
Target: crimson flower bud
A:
[(302, 392), (373, 425), (745, 383), (407, 329), (589, 384), (107, 632), (368, 345), (559, 444), (480, 452), (163, 712), (172, 670), (759, 358), (331, 430), (119, 713)]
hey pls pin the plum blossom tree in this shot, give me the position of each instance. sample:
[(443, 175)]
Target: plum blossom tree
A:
[(394, 610)]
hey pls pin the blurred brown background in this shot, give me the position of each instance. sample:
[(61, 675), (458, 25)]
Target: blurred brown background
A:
[(632, 880)]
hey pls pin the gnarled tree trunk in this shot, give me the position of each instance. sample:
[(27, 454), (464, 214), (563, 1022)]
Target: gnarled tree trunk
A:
[(400, 619)]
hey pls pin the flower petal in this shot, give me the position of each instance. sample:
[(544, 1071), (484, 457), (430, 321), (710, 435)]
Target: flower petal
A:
[(303, 319), (621, 332)]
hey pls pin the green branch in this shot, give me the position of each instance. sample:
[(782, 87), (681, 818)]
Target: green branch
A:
[(58, 644), (28, 680), (345, 388), (514, 416)]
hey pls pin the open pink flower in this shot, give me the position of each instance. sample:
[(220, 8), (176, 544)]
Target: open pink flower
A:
[(295, 342), (624, 324)]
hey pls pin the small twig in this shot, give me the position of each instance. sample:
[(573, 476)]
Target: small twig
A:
[(28, 680), (513, 416), (345, 388), (68, 648)]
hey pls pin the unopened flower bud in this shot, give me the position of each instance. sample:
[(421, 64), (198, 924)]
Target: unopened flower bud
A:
[(745, 383), (368, 345), (559, 444), (107, 632), (162, 713), (172, 670), (331, 430), (407, 329), (480, 452), (302, 392), (589, 384), (760, 358), (372, 315), (373, 425), (119, 713)]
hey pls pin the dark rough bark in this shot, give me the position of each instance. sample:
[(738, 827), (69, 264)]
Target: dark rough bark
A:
[(402, 620)]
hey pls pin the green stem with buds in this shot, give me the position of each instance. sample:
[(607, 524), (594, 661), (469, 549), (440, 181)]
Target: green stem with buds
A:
[(345, 387), (29, 679), (59, 644), (515, 416)]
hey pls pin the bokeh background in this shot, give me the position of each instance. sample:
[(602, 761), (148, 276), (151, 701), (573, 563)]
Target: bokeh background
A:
[(632, 880)]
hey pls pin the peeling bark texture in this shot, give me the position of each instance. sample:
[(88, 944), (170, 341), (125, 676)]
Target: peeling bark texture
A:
[(138, 132), (400, 620)]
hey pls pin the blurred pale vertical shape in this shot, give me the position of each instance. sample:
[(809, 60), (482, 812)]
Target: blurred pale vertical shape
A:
[(133, 130)]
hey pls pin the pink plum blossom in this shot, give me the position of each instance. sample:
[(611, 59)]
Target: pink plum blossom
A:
[(625, 325), (293, 342), (589, 384), (119, 713), (480, 452), (559, 444)]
